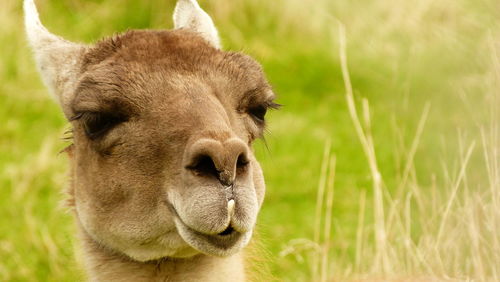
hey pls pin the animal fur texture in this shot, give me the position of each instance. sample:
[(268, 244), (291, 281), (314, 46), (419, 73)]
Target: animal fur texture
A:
[(165, 185)]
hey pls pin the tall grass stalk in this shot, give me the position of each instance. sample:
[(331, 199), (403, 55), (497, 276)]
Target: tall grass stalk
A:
[(319, 206), (381, 261), (328, 220), (320, 268)]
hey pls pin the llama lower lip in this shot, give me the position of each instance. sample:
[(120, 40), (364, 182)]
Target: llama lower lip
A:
[(216, 244), (223, 239)]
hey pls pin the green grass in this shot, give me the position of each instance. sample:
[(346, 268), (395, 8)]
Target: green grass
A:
[(402, 56)]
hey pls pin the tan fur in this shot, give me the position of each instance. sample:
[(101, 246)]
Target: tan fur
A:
[(105, 265), (163, 123)]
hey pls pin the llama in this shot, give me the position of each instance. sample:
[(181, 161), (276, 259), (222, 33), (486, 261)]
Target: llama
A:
[(164, 182)]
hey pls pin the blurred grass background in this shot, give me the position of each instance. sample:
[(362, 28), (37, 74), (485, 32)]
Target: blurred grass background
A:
[(404, 57)]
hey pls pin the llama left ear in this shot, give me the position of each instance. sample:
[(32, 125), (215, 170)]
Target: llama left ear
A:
[(59, 61), (188, 14)]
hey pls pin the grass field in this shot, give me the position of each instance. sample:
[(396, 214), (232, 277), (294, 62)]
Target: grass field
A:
[(382, 164)]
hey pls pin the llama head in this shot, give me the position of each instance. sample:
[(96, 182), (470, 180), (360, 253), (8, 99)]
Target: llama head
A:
[(163, 123)]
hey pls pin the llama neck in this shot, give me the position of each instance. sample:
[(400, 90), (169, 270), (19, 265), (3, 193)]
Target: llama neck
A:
[(104, 265)]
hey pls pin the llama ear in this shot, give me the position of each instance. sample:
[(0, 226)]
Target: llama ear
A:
[(188, 14), (58, 60)]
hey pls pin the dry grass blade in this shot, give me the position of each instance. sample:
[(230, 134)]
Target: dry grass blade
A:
[(319, 206), (381, 260), (328, 220), (359, 232), (453, 195)]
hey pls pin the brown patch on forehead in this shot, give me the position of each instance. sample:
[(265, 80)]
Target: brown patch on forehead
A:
[(170, 50), (147, 46)]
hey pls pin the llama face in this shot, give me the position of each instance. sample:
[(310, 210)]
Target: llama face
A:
[(163, 127), (162, 133)]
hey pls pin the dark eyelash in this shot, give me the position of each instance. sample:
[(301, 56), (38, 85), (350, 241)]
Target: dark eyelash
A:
[(273, 105), (77, 116), (258, 112), (96, 124)]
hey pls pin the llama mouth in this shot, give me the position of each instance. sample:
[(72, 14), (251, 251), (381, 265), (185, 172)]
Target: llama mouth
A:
[(229, 230), (226, 243)]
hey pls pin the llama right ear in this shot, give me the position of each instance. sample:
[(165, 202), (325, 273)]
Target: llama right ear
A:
[(188, 14), (58, 60)]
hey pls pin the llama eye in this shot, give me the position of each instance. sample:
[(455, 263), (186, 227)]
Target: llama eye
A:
[(258, 113), (98, 124)]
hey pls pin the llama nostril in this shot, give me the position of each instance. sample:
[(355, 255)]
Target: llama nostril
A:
[(203, 164), (242, 161)]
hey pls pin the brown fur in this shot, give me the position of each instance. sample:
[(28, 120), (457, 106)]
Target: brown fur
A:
[(174, 89), (165, 185)]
